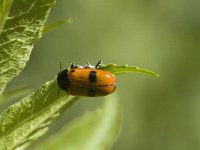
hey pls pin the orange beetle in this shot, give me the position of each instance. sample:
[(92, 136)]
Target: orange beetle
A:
[(87, 80)]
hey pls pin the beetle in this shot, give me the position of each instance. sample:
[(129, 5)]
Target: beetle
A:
[(86, 80)]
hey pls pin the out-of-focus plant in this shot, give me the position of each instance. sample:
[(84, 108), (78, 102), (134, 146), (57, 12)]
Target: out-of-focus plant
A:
[(21, 25)]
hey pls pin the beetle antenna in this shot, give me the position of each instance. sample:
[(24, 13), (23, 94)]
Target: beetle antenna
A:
[(72, 66), (60, 66), (98, 64)]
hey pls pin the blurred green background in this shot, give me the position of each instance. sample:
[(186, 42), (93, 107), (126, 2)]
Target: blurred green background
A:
[(162, 36)]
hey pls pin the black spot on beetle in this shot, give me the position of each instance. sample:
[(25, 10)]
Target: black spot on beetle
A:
[(92, 76), (92, 92)]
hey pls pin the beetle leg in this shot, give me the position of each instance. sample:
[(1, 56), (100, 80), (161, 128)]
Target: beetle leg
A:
[(72, 66), (99, 63), (60, 66), (88, 65)]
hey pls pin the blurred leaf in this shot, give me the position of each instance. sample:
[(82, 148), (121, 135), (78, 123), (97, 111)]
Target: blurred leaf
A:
[(96, 130), (23, 26), (27, 120), (56, 24), (14, 93), (125, 69), (5, 6)]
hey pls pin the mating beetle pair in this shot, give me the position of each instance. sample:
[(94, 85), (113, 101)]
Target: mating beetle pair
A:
[(86, 80)]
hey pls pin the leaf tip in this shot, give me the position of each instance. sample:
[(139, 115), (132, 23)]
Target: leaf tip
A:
[(155, 74)]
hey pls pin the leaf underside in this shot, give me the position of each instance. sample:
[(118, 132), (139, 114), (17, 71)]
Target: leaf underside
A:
[(95, 130), (27, 120), (14, 93), (21, 28), (5, 6)]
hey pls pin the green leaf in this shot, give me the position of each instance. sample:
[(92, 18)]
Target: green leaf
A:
[(27, 120), (5, 6), (56, 24), (14, 93), (23, 26), (96, 130), (125, 69)]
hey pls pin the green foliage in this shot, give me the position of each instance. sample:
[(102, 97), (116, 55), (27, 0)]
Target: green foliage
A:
[(56, 24), (21, 28), (27, 118), (126, 69), (94, 130), (5, 6), (21, 24), (14, 93)]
